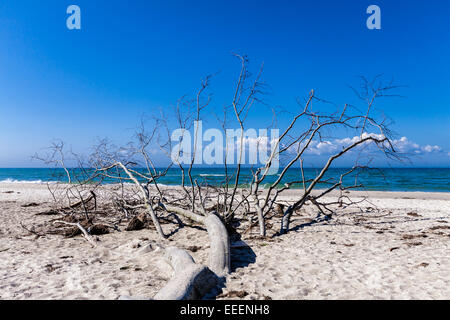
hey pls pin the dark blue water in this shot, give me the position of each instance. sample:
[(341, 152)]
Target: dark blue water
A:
[(404, 179)]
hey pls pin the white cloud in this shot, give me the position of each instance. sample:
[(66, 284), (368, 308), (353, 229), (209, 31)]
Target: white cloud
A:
[(402, 145), (332, 146), (429, 148), (323, 147), (349, 141)]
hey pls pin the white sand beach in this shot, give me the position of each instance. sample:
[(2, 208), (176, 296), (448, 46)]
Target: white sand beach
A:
[(399, 248)]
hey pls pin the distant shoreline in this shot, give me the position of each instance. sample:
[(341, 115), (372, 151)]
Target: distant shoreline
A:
[(383, 179), (424, 195)]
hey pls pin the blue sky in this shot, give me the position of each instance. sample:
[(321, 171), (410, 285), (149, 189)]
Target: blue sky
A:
[(132, 57)]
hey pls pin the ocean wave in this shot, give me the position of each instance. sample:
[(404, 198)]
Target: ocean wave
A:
[(9, 180)]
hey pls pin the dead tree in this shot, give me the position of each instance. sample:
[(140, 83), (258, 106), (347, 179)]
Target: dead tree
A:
[(307, 127), (136, 178), (72, 188)]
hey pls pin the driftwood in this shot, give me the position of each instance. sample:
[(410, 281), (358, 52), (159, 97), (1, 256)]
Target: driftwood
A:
[(219, 255), (92, 196), (136, 223), (306, 130), (98, 229), (50, 212), (53, 212), (32, 230), (28, 205), (86, 235), (190, 281)]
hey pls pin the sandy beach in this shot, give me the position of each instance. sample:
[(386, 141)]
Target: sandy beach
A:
[(397, 248)]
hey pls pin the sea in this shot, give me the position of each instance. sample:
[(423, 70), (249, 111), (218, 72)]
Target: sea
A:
[(381, 179)]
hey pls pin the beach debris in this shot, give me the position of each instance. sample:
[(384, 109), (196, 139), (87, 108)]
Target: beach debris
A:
[(137, 223), (423, 264), (50, 212), (394, 248), (73, 230), (250, 227), (3, 250), (98, 229), (31, 204), (8, 192), (83, 202), (413, 214), (414, 244), (50, 268), (148, 247), (219, 207), (144, 246), (413, 236), (135, 245), (32, 230), (86, 235), (439, 227), (130, 298), (233, 294), (279, 209), (348, 244), (193, 248)]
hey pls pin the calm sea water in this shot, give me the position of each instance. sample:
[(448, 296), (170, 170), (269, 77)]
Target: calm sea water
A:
[(404, 179)]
